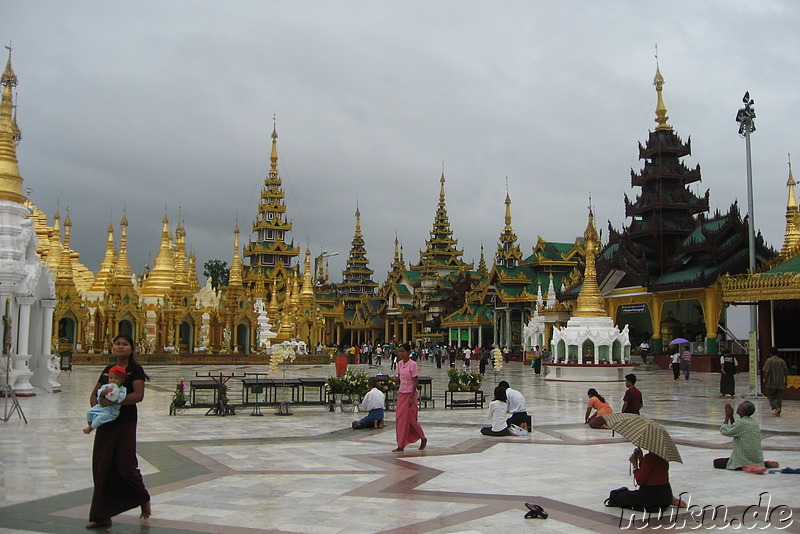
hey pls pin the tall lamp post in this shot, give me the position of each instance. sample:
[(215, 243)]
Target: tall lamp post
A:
[(746, 119), (323, 255)]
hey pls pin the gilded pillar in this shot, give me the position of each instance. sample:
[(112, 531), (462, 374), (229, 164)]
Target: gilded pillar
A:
[(712, 309), (656, 307)]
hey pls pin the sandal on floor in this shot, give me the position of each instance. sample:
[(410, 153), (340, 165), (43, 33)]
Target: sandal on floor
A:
[(535, 511)]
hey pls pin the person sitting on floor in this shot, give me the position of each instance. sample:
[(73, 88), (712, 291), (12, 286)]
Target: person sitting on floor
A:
[(516, 407), (373, 403), (601, 407), (746, 436), (652, 475), (498, 409)]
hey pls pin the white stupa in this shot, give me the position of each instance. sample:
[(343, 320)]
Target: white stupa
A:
[(27, 290), (590, 339)]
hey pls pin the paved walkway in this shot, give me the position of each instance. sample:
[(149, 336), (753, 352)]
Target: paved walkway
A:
[(310, 473)]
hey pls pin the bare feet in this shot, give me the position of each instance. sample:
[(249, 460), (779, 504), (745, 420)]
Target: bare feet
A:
[(99, 524), (679, 503), (777, 412), (423, 444), (771, 464), (398, 449), (146, 511)]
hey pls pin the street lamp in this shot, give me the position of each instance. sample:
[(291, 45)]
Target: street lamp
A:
[(325, 254), (746, 117)]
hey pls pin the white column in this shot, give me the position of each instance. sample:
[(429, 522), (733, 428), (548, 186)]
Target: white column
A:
[(480, 336), (469, 335), (508, 328), (494, 327), (48, 306), (24, 330)]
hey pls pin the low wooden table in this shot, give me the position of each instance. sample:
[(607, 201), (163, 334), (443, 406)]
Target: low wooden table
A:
[(464, 399)]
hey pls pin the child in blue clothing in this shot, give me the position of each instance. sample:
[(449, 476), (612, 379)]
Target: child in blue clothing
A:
[(115, 392)]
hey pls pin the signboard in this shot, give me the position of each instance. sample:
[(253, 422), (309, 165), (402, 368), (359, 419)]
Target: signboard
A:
[(633, 308)]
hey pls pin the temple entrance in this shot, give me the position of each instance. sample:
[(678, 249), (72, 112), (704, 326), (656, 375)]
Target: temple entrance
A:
[(243, 339), (640, 324), (186, 337), (66, 331), (126, 327)]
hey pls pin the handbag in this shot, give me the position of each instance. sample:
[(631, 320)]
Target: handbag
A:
[(619, 498), (517, 430)]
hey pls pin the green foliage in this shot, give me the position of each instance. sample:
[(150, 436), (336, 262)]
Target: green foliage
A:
[(464, 378), (352, 383), (217, 271)]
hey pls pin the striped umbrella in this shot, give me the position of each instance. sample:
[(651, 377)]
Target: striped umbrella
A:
[(645, 434)]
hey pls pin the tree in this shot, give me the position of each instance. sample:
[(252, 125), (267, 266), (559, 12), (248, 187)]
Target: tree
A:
[(217, 271)]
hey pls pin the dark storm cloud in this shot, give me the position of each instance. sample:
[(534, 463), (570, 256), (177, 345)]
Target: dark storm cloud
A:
[(156, 106)]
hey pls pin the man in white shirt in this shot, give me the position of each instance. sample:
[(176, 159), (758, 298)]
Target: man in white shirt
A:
[(516, 407), (373, 402)]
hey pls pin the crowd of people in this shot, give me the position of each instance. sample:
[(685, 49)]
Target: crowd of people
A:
[(119, 486)]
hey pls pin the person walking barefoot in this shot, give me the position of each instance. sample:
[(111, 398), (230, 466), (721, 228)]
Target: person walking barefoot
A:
[(407, 427)]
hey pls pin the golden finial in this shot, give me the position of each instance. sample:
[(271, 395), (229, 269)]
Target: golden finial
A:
[(661, 109), (590, 300), (273, 158)]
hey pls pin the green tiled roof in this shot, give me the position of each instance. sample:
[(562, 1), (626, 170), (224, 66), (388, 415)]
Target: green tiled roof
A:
[(401, 289), (789, 266)]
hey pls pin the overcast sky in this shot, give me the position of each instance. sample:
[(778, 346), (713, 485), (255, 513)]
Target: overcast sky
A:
[(170, 104)]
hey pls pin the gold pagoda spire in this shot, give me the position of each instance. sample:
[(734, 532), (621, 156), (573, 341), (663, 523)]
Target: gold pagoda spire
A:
[(273, 157), (122, 268), (181, 272), (106, 271), (194, 285), (590, 301), (56, 248), (162, 276), (235, 276), (273, 308), (307, 293), (65, 262), (10, 178), (661, 109), (791, 239), (482, 264), (508, 214), (508, 252)]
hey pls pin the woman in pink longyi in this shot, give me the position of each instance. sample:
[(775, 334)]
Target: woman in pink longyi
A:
[(406, 425)]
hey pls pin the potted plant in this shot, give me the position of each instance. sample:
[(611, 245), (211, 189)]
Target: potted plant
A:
[(454, 379), (179, 396), (473, 380)]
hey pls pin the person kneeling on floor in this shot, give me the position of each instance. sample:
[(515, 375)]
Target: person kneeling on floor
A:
[(747, 452), (373, 403), (498, 409)]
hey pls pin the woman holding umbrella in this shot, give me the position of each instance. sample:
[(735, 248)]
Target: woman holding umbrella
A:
[(650, 470), (652, 475)]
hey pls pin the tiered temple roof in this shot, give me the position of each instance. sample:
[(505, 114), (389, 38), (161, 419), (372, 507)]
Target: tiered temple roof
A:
[(357, 276), (268, 254), (671, 243)]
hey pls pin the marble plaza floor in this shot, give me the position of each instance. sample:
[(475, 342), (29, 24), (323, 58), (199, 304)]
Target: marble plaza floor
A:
[(311, 473)]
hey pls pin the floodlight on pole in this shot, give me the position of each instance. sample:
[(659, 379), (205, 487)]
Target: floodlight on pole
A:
[(746, 119), (323, 255)]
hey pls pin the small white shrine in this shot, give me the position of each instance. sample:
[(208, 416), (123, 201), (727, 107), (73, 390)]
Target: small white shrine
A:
[(591, 347), (265, 333)]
